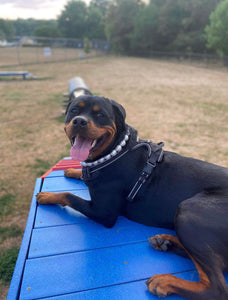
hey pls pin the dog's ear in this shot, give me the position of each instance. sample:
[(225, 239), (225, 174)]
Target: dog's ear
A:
[(118, 109)]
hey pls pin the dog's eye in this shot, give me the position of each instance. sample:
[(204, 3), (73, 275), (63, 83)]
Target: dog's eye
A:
[(75, 110), (100, 115)]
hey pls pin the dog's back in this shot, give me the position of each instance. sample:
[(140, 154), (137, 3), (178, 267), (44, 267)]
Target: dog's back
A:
[(174, 180)]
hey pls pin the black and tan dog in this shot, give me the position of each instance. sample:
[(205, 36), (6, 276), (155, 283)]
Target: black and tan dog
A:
[(135, 178)]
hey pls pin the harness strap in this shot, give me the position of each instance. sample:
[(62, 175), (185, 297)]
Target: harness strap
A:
[(155, 155)]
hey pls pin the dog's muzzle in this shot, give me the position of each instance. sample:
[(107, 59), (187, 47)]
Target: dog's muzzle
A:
[(80, 122)]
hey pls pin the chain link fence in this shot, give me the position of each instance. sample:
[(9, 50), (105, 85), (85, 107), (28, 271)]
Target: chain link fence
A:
[(206, 60), (34, 50), (29, 50)]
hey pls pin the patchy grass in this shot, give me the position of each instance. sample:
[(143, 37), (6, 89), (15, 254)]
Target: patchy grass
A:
[(57, 98), (184, 106), (40, 166), (9, 232), (6, 204), (60, 119), (8, 259)]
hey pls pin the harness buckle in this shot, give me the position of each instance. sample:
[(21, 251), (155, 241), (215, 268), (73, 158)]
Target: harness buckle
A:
[(148, 168)]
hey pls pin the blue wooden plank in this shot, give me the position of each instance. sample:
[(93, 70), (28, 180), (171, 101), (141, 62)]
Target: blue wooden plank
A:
[(59, 173), (54, 215), (70, 273), (72, 238), (54, 184), (18, 271), (134, 291)]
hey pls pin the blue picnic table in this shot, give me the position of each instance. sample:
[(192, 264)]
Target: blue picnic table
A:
[(65, 255), (24, 74)]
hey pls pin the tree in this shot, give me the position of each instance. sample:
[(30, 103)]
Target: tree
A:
[(23, 27), (181, 24), (79, 21), (145, 36), (217, 30), (87, 45), (102, 5), (27, 27), (6, 29), (72, 21), (191, 34), (46, 31), (120, 23), (94, 23), (170, 22)]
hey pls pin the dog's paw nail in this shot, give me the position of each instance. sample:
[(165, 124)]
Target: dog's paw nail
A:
[(152, 242), (156, 242)]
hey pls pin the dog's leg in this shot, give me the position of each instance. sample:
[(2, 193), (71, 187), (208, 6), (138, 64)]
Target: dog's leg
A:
[(73, 173), (53, 198), (167, 242), (167, 284), (211, 285), (198, 225), (98, 211)]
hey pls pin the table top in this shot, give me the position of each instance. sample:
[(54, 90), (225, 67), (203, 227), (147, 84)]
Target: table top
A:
[(65, 255)]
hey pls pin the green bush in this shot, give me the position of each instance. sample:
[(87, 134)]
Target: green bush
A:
[(216, 31)]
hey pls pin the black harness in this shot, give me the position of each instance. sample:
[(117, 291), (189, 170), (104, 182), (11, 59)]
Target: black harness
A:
[(155, 155)]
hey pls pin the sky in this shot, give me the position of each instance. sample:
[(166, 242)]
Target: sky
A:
[(36, 9)]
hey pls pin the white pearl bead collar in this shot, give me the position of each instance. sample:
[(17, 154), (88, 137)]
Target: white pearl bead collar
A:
[(110, 155)]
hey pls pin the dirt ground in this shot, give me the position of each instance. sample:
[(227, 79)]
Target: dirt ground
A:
[(185, 106)]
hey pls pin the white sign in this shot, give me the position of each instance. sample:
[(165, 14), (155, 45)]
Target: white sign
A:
[(47, 51)]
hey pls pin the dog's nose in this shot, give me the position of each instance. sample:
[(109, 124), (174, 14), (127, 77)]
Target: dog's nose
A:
[(80, 122)]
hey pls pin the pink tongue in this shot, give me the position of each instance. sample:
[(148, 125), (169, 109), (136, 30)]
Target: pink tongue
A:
[(80, 149)]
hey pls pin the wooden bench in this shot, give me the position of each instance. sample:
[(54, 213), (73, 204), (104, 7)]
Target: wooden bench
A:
[(24, 74), (65, 255)]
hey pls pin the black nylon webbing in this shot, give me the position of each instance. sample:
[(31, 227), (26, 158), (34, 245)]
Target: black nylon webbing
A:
[(155, 156)]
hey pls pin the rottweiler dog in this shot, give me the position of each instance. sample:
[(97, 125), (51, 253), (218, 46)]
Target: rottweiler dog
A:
[(135, 178)]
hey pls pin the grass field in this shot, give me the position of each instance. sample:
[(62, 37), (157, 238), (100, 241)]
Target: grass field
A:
[(184, 106)]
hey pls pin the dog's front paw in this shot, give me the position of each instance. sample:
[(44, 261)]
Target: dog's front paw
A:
[(73, 173), (159, 285), (46, 198), (158, 243)]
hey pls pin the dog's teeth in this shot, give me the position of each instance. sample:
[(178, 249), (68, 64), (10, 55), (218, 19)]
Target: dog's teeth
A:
[(73, 140), (94, 143)]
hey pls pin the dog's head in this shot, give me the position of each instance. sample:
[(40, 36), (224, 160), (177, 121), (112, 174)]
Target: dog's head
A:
[(92, 125)]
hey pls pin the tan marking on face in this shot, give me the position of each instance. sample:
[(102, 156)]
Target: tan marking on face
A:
[(111, 131), (69, 129), (96, 108), (81, 104), (94, 132)]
